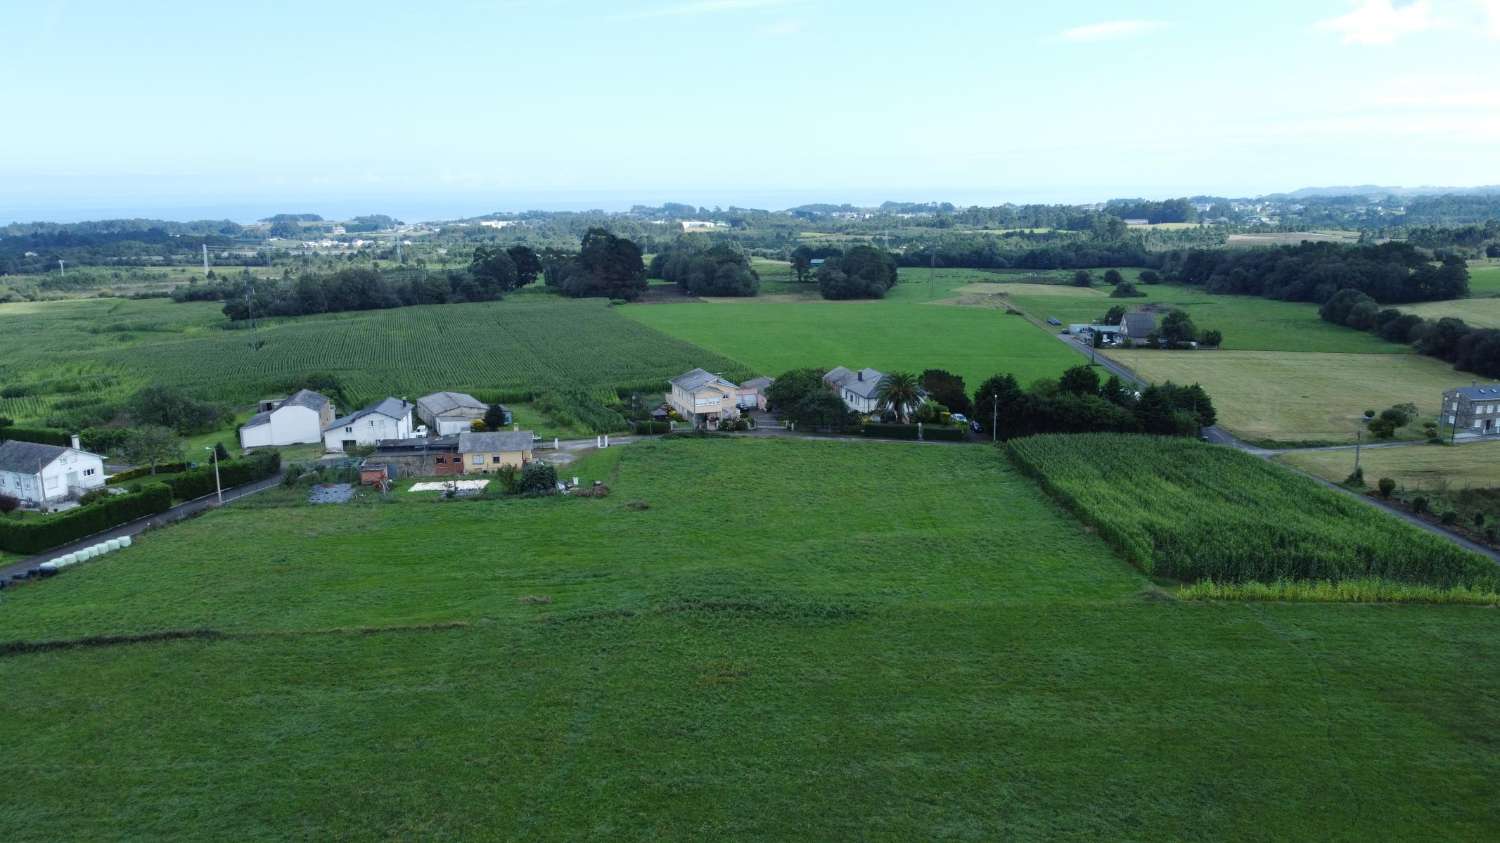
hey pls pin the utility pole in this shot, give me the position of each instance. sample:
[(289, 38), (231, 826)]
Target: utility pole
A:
[(205, 260), (217, 486), (62, 269), (1359, 437), (995, 417)]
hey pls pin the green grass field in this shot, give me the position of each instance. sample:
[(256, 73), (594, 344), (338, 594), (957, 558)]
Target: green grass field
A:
[(529, 342), (898, 333), (1467, 466), (876, 640), (1300, 396), (1484, 278), (1249, 323)]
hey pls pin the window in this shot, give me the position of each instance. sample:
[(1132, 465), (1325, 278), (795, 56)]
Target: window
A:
[(349, 429), (495, 459), (88, 472), (478, 459), (442, 461)]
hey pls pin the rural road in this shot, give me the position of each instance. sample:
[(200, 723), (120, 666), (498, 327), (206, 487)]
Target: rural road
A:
[(140, 525)]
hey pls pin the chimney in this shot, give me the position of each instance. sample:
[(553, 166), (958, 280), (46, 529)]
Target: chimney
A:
[(74, 440), (860, 375)]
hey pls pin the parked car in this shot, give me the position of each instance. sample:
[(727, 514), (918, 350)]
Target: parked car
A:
[(1053, 320), (960, 418)]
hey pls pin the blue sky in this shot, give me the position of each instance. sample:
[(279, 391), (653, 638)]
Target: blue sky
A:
[(441, 108)]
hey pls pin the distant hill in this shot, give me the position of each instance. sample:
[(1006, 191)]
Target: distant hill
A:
[(1380, 191)]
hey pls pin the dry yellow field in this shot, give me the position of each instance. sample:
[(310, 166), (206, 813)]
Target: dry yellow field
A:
[(1475, 465), (1481, 313), (1300, 396)]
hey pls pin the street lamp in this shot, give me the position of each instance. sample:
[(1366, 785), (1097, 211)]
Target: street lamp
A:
[(995, 417), (219, 489)]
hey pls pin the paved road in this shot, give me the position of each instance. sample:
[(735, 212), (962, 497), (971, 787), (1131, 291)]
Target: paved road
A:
[(140, 525)]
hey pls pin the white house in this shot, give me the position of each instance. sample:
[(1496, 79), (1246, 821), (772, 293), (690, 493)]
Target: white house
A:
[(389, 418), (40, 475), (858, 389), (297, 420)]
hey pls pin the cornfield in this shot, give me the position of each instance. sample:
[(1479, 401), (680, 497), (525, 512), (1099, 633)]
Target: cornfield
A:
[(1346, 591), (520, 346), (1190, 511)]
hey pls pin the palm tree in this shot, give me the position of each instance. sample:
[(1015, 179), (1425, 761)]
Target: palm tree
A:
[(899, 392)]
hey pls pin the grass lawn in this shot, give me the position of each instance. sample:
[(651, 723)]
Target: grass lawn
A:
[(1475, 465), (1249, 323), (882, 640), (897, 333), (1300, 397), (1479, 313), (1484, 278)]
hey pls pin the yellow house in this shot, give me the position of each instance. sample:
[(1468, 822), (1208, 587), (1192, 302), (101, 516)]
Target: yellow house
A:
[(704, 399), (485, 453)]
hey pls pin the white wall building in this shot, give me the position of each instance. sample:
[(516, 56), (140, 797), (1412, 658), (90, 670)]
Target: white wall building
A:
[(40, 475), (386, 419), (298, 420)]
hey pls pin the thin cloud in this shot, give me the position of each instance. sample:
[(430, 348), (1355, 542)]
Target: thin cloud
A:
[(710, 7), (1491, 11), (1374, 22), (1110, 30)]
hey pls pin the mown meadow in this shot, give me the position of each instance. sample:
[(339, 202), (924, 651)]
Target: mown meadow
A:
[(747, 639)]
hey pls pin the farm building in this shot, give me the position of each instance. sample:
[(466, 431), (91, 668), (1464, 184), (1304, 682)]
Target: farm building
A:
[(44, 475), (1137, 326), (447, 413), (857, 388), (704, 399), (423, 456), (1473, 410), (297, 420), (389, 418), (485, 453)]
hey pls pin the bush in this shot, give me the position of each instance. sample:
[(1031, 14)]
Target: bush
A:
[(1419, 504), (509, 478), (1356, 478), (1449, 518), (648, 428), (145, 471), (1386, 486), (9, 504), (538, 478), (35, 535)]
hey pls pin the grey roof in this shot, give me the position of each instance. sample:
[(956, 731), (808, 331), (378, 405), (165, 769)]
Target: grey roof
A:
[(697, 378), (391, 447), (306, 398), (445, 403), (1138, 324), (837, 375), (863, 383), (494, 443), (301, 398), (757, 383), (1482, 392), (27, 457), (393, 407)]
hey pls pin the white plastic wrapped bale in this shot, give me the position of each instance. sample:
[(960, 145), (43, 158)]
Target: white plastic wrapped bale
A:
[(124, 541), (66, 559), (113, 544)]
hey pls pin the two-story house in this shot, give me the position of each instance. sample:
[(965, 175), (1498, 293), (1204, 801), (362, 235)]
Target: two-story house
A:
[(42, 475), (389, 418), (704, 399), (448, 413), (1473, 410), (296, 420)]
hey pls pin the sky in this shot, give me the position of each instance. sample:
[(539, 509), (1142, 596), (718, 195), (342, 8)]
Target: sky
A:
[(441, 109)]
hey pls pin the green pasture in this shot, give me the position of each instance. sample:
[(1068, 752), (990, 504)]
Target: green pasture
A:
[(894, 334), (745, 640)]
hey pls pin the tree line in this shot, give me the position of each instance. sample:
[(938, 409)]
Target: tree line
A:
[(1314, 272), (1468, 348)]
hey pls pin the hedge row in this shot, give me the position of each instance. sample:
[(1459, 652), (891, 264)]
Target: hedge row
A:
[(145, 471), (646, 428), (45, 436), (909, 431), (200, 481), (34, 534)]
